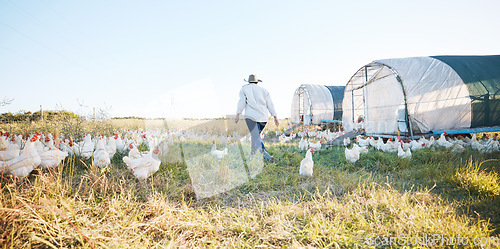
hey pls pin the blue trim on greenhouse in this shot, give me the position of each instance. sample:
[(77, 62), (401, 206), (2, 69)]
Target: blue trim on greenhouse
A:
[(465, 131), (330, 121)]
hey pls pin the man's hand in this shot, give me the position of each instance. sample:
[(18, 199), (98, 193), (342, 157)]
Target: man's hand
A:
[(276, 122), (237, 118)]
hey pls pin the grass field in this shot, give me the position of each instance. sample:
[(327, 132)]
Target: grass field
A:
[(449, 197)]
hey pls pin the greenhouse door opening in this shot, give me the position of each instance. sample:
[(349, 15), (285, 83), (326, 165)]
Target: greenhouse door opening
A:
[(374, 101)]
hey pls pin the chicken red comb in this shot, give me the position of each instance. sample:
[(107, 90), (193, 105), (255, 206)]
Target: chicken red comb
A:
[(34, 138), (312, 149), (131, 146)]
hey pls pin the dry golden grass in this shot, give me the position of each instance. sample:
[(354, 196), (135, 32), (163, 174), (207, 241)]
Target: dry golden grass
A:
[(343, 205)]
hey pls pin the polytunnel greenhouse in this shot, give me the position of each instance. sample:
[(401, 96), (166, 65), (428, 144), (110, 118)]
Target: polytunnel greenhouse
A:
[(314, 104), (424, 94)]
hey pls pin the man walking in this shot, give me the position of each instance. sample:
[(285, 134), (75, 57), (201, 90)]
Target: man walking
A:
[(256, 102)]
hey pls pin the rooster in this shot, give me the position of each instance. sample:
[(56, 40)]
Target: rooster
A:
[(144, 166), (22, 165), (307, 164), (219, 154)]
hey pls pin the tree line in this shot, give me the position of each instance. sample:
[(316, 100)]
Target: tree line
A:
[(27, 116)]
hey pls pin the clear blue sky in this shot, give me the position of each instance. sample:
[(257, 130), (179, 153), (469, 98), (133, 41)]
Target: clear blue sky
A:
[(137, 58)]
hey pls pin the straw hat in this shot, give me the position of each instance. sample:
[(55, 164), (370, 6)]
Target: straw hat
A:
[(253, 79)]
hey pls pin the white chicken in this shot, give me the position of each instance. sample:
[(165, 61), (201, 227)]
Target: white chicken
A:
[(457, 148), (12, 152), (304, 143), (443, 142), (390, 146), (475, 144), (87, 147), (38, 145), (416, 145), (72, 148), (144, 166), (134, 152), (120, 145), (423, 140), (492, 145), (4, 142), (362, 149), (284, 139), (51, 157), (431, 142), (219, 154), (347, 141), (22, 165), (364, 142), (307, 164), (352, 155), (402, 153), (316, 146), (17, 139), (111, 147), (49, 143), (101, 156)]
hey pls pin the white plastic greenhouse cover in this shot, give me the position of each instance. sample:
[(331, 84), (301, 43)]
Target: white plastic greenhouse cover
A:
[(436, 96), (313, 103)]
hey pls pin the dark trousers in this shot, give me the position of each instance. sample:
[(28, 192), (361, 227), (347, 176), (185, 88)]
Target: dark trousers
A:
[(255, 129)]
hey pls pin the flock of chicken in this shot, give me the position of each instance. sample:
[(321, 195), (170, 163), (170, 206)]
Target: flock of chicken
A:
[(403, 148), (19, 155), (47, 151)]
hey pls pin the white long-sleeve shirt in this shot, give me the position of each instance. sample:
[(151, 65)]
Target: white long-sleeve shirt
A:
[(256, 102)]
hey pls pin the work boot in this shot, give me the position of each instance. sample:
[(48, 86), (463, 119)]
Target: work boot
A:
[(266, 156)]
